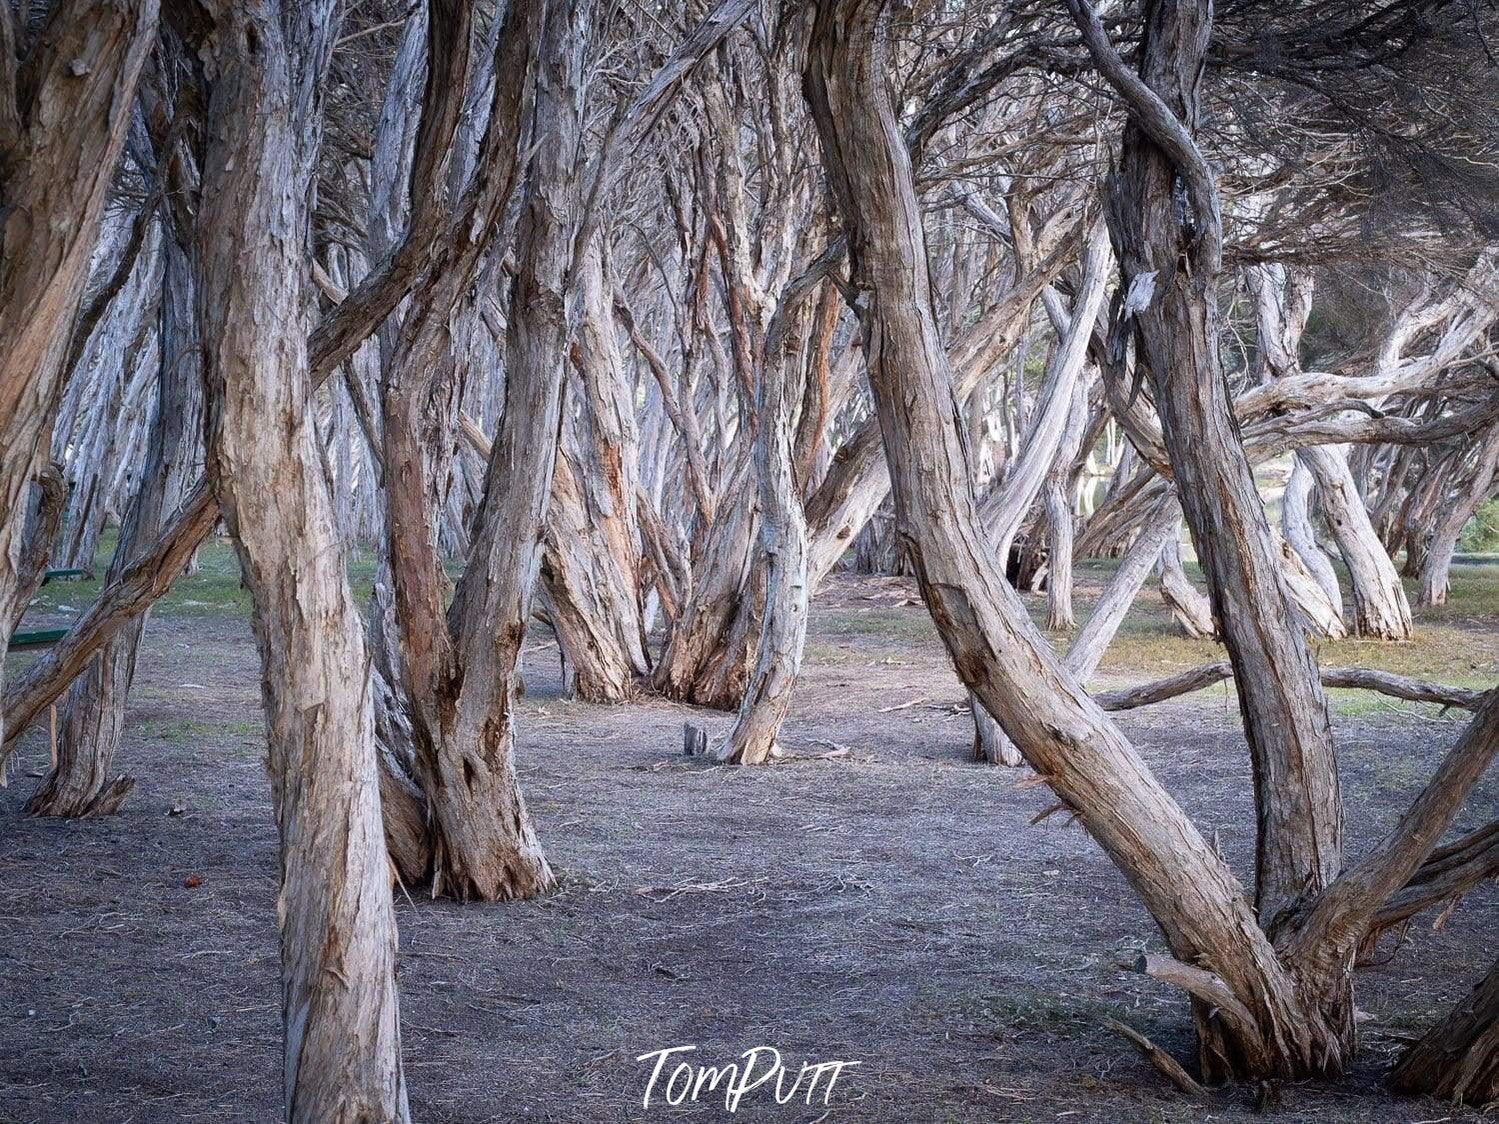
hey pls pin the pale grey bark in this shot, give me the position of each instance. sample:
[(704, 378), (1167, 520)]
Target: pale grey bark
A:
[(1296, 527), (79, 783), (1380, 608), (1187, 604), (1459, 509), (591, 570), (338, 934), (783, 538), (998, 652), (1166, 222)]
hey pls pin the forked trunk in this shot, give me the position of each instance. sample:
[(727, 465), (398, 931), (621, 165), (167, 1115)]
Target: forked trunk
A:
[(591, 571), (1164, 216), (783, 538), (1250, 1018), (458, 665), (712, 643)]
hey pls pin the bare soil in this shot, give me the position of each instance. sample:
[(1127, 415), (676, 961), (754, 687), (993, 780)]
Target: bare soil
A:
[(890, 903)]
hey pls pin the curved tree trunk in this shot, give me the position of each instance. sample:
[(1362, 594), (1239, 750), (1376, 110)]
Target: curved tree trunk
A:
[(1317, 612), (338, 933), (1296, 526), (1380, 608), (79, 783), (1437, 564), (43, 516), (1168, 267), (1264, 1029), (458, 665), (1187, 604), (61, 133)]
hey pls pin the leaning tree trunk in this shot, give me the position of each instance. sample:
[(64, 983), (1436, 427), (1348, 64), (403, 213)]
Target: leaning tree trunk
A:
[(783, 538), (1380, 608), (1437, 565), (79, 783), (1296, 526), (61, 133), (43, 516), (1049, 443), (1190, 608), (1259, 1026), (1317, 613), (1458, 1059), (1170, 255), (591, 570), (338, 933)]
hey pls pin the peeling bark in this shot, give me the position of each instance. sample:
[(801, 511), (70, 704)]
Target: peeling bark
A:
[(1458, 1059), (1170, 257), (338, 933), (93, 720), (64, 112), (998, 652)]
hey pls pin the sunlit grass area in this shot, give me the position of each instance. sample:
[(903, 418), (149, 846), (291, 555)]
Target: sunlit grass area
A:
[(1453, 643)]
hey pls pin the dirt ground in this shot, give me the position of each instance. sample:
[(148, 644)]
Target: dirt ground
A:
[(890, 904)]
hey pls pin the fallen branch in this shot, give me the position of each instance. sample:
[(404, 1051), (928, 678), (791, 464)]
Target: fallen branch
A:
[(1158, 1058), (1361, 678)]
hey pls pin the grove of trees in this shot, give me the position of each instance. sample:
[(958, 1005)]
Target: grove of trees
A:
[(628, 323)]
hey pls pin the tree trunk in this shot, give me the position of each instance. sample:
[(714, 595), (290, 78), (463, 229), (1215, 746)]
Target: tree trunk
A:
[(1437, 564), (1059, 516), (783, 538), (1458, 1059), (1380, 608), (1262, 1029), (1317, 613), (61, 133), (338, 933), (712, 643), (1087, 649), (93, 720), (43, 517), (1170, 258), (458, 665), (1296, 526), (591, 569), (1190, 608)]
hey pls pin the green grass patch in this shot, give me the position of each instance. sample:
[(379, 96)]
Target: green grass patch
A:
[(193, 729)]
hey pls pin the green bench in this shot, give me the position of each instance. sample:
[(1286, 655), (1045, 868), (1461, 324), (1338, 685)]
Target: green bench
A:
[(43, 637), (36, 638)]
